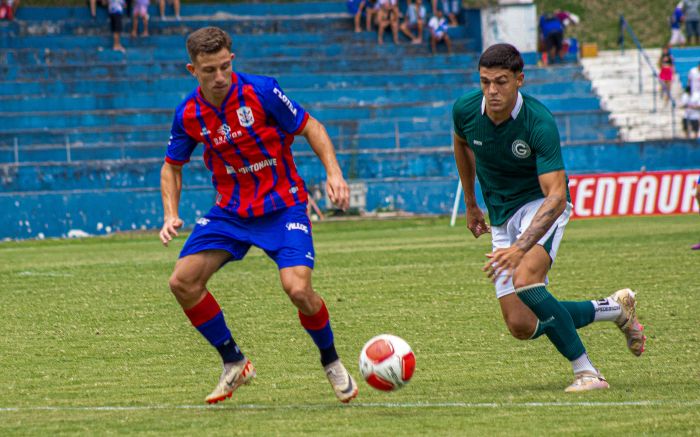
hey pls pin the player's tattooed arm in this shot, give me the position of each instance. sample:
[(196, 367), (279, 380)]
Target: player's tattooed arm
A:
[(554, 188)]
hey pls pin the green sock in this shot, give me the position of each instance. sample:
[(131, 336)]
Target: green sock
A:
[(555, 320), (582, 313)]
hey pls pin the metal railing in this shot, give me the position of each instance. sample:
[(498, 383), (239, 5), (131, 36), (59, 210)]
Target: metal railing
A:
[(642, 55)]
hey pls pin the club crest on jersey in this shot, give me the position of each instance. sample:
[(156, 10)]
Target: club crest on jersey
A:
[(205, 132), (521, 149), (245, 116)]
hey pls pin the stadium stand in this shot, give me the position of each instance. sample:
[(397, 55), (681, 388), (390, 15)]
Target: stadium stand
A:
[(82, 124)]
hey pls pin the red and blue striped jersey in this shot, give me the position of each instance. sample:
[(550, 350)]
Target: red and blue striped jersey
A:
[(247, 144)]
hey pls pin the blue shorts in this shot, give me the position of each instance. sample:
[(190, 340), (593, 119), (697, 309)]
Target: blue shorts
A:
[(284, 235)]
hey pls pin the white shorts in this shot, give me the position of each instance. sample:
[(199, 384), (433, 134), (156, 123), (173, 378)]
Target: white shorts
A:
[(677, 37), (505, 235)]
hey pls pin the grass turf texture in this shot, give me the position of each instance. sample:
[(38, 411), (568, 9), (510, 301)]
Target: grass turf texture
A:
[(90, 323)]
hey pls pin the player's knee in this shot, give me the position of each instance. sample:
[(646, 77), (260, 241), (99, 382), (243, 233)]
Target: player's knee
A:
[(182, 287), (299, 294), (527, 275), (520, 329)]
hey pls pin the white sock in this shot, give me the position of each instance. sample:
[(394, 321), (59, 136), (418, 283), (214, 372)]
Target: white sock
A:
[(583, 364), (606, 309)]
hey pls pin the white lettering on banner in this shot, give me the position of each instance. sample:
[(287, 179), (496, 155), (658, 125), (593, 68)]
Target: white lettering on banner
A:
[(688, 204), (646, 195), (642, 193), (626, 182), (583, 192), (669, 195), (286, 101), (604, 196)]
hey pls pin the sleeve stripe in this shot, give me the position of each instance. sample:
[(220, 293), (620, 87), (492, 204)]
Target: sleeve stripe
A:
[(302, 125), (169, 160)]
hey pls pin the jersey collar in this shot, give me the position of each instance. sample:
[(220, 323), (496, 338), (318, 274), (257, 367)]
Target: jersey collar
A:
[(516, 109)]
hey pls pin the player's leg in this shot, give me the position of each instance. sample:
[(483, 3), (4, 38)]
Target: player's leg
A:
[(288, 241), (528, 282), (188, 284), (314, 317), (554, 320)]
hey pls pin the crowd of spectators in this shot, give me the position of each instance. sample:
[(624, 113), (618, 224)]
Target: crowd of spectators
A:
[(412, 22), (136, 9)]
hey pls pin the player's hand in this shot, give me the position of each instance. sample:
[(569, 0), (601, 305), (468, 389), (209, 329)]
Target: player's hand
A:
[(476, 223), (503, 262), (338, 191), (169, 229)]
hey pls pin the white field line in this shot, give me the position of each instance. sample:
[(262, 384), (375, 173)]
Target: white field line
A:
[(458, 405)]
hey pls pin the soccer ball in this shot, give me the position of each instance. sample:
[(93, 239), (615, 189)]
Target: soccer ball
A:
[(387, 362)]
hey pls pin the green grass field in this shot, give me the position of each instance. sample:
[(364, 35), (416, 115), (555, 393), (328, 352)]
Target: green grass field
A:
[(93, 342)]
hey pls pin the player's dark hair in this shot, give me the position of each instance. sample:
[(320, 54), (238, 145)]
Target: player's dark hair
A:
[(207, 40), (502, 56)]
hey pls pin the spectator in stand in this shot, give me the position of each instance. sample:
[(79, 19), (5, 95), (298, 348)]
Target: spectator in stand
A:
[(176, 7), (8, 9), (140, 10), (694, 79), (451, 8), (691, 10), (552, 35), (691, 115), (93, 7), (388, 17), (666, 72), (414, 20), (438, 32), (676, 20), (369, 7), (116, 11)]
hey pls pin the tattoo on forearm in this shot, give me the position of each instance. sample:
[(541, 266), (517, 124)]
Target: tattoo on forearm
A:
[(545, 217)]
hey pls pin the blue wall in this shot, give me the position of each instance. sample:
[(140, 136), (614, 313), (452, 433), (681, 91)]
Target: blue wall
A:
[(97, 197)]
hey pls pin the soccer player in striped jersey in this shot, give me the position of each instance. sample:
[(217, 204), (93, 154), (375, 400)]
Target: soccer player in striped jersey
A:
[(247, 124), (511, 142)]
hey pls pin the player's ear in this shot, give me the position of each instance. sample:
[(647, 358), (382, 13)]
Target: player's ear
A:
[(520, 79), (190, 68), (233, 56)]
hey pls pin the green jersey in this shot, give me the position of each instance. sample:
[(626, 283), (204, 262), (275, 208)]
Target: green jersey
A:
[(510, 156)]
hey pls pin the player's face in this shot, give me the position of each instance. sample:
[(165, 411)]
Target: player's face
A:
[(500, 87), (213, 72)]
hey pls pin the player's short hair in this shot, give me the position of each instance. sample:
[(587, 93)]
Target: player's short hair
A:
[(207, 40), (502, 56)]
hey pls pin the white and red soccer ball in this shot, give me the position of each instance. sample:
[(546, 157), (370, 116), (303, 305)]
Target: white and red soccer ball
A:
[(387, 362)]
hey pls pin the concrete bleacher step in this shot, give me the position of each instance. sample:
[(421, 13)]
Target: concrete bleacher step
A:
[(269, 66), (324, 111), (634, 99), (573, 126)]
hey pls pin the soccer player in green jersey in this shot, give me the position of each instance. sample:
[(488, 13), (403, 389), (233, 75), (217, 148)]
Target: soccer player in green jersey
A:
[(511, 142)]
